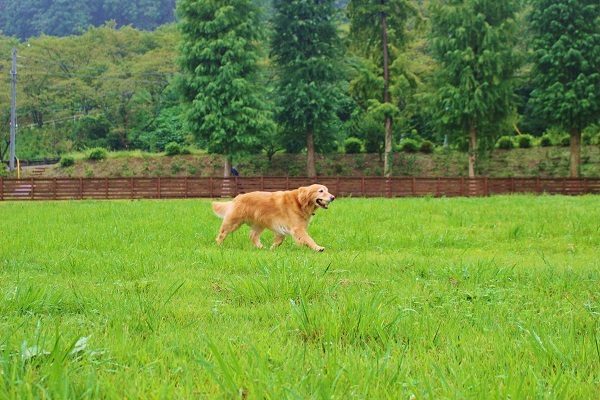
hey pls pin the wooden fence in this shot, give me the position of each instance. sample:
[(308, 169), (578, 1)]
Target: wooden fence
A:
[(196, 187)]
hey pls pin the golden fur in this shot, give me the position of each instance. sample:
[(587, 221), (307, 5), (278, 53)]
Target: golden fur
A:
[(284, 213)]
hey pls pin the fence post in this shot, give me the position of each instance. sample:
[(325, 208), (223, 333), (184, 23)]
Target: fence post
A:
[(158, 188), (80, 188), (31, 192), (1, 188), (486, 192)]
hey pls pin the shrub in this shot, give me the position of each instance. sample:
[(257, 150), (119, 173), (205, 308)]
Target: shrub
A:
[(546, 141), (67, 161), (97, 154), (505, 143), (409, 146), (427, 147), (524, 141), (352, 145), (172, 149), (565, 141), (186, 150)]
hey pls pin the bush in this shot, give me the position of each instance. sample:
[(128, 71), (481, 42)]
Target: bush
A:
[(185, 150), (505, 143), (409, 146), (97, 154), (172, 149), (67, 161), (546, 141), (565, 141), (524, 141), (352, 145), (427, 147)]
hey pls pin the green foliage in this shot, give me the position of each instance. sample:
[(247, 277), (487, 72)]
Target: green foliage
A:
[(474, 42), (525, 141), (505, 143), (67, 161), (566, 61), (172, 149), (546, 141), (409, 146), (305, 49), (225, 104), (564, 141), (97, 154), (427, 147), (352, 145), (32, 18)]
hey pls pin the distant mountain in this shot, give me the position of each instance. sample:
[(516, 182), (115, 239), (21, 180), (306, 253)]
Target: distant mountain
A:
[(31, 18)]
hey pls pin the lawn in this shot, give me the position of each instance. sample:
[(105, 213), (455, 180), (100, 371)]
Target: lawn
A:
[(413, 298)]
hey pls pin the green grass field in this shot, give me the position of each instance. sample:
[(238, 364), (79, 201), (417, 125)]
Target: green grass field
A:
[(413, 298)]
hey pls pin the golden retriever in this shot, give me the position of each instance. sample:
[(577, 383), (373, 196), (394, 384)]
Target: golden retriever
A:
[(284, 213)]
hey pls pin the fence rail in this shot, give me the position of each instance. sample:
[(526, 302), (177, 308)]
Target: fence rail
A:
[(196, 187)]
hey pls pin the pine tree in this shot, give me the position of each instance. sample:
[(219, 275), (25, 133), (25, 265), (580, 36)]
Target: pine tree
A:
[(473, 40), (305, 49), (377, 26), (566, 44), (221, 86)]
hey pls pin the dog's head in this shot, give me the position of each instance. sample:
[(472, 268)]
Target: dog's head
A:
[(315, 196)]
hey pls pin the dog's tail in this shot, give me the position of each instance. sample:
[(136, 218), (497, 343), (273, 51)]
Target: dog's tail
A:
[(221, 207)]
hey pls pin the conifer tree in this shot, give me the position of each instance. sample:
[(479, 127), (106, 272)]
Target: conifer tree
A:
[(305, 49), (566, 45), (376, 27), (221, 88), (473, 40)]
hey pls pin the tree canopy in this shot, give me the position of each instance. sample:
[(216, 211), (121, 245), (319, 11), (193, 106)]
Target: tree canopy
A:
[(220, 85), (566, 56), (32, 18), (474, 42), (305, 48)]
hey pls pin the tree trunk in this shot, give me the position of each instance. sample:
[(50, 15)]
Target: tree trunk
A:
[(227, 167), (575, 152), (472, 151), (389, 156), (311, 170), (387, 164)]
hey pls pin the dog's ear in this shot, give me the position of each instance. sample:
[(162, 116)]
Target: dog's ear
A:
[(303, 196)]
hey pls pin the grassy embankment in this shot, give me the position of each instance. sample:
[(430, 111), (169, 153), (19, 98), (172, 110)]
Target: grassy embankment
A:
[(533, 162)]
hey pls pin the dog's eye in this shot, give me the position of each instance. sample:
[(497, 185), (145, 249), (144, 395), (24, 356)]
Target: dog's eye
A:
[(321, 191)]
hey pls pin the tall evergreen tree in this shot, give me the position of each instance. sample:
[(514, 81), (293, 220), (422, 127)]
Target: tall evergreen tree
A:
[(377, 27), (221, 88), (473, 40), (305, 48), (566, 44)]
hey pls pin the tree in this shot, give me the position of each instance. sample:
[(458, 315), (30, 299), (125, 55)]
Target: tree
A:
[(305, 48), (473, 40), (220, 86), (377, 27), (566, 75)]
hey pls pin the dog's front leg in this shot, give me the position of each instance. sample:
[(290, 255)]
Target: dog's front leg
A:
[(301, 237)]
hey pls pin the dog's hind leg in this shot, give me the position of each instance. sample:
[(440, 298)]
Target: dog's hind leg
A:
[(228, 226), (255, 236), (277, 241)]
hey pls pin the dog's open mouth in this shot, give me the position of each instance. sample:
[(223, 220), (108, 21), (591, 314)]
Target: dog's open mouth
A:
[(323, 203)]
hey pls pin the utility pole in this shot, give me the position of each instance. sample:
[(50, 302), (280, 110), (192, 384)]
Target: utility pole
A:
[(13, 111)]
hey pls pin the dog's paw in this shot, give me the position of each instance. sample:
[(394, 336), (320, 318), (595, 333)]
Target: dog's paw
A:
[(319, 248)]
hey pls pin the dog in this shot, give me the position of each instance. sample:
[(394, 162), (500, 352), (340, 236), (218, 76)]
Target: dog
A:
[(284, 212)]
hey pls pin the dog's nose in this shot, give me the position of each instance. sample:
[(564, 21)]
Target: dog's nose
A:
[(332, 197)]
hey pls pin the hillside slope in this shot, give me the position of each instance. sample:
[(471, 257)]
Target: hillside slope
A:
[(534, 162)]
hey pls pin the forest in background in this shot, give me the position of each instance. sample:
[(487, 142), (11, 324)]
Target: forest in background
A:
[(115, 86)]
